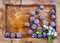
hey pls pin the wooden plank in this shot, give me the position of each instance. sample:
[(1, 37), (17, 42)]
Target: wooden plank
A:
[(2, 40), (30, 2), (13, 2), (57, 19)]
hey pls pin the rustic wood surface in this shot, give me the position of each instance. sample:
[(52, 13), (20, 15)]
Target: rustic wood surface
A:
[(30, 40)]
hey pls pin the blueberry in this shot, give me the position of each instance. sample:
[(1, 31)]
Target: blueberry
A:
[(39, 35), (48, 34), (33, 26), (38, 11), (53, 30), (53, 36), (45, 23), (44, 34), (30, 32), (32, 19), (36, 21), (18, 35), (53, 16), (33, 13), (41, 7), (52, 24), (41, 17), (45, 30), (52, 11), (12, 35), (27, 24), (34, 35), (7, 34)]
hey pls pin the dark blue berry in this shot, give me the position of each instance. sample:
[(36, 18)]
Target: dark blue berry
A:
[(39, 35), (33, 26), (47, 34), (41, 7), (32, 19), (27, 24), (38, 11), (53, 30), (45, 23), (7, 34), (41, 17), (45, 30), (53, 36), (52, 11), (33, 13), (36, 21), (52, 24), (30, 32), (53, 16), (18, 35), (44, 34), (12, 35), (34, 35)]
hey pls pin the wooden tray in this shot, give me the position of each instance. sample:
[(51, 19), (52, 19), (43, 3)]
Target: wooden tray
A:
[(17, 15)]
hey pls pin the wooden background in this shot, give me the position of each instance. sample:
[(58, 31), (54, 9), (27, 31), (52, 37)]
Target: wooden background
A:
[(28, 2)]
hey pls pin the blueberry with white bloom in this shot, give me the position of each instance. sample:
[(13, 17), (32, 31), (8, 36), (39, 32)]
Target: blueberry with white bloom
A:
[(40, 35), (38, 11), (33, 13), (52, 11), (30, 31), (41, 7), (41, 17), (34, 35), (33, 26), (19, 35), (45, 23), (7, 34), (52, 24), (53, 16), (44, 34), (12, 35), (36, 21), (32, 19), (27, 24)]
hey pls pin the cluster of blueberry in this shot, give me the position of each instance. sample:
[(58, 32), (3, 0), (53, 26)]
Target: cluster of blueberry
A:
[(46, 30), (12, 35)]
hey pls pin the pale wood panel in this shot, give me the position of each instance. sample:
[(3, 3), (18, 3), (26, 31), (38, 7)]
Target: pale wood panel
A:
[(29, 2)]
